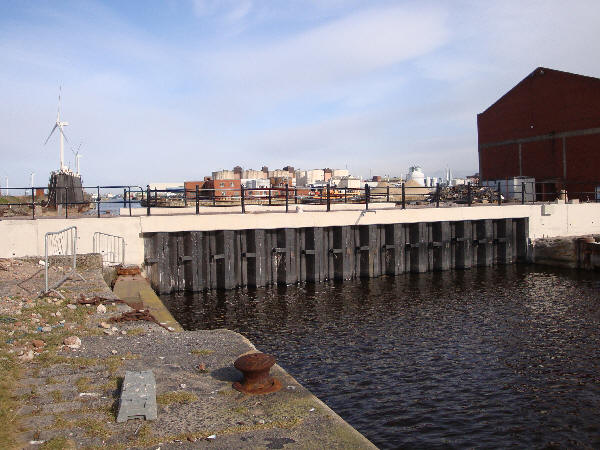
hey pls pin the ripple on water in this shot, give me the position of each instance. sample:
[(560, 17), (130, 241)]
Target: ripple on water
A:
[(480, 358)]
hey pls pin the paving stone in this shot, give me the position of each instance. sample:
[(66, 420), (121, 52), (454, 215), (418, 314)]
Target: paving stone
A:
[(138, 396), (57, 408), (27, 409), (38, 422)]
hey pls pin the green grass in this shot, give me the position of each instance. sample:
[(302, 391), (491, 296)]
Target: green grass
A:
[(9, 372), (58, 443), (202, 352), (4, 200), (93, 428), (57, 396), (84, 384), (176, 397)]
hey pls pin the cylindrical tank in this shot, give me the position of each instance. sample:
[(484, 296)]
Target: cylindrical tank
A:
[(416, 173)]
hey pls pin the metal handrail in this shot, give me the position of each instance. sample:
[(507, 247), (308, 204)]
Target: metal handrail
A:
[(116, 242), (71, 238), (397, 193)]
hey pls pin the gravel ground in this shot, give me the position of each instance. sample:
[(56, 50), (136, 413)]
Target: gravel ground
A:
[(68, 397)]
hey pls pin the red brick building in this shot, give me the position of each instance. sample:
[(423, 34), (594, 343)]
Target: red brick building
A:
[(546, 127), (222, 188), (190, 188)]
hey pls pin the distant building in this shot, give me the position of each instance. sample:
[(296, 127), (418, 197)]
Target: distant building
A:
[(190, 188), (340, 173), (176, 186), (253, 174), (279, 173), (350, 183), (257, 187), (224, 175), (237, 172), (309, 177), (222, 188)]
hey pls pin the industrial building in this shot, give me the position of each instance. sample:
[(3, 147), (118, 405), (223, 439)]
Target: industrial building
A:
[(547, 127)]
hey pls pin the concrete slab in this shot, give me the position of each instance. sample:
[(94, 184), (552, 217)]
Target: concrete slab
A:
[(137, 293)]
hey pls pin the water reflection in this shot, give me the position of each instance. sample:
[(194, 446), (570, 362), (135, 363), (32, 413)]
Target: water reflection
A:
[(485, 358)]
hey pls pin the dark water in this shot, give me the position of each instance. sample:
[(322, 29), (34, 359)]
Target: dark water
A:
[(492, 358)]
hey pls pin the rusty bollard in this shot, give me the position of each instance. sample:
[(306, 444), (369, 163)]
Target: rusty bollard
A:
[(257, 380)]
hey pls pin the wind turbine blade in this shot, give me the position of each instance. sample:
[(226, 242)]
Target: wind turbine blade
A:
[(64, 135), (55, 126)]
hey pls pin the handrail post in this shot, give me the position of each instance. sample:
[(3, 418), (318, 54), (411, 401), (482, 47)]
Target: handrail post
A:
[(184, 196), (469, 194), (287, 197), (328, 198), (66, 202), (197, 201), (345, 195), (387, 197), (155, 198), (403, 196), (98, 201), (367, 194), (499, 196), (295, 195), (32, 203), (437, 195), (124, 198), (270, 195), (242, 196), (129, 198), (522, 193), (214, 196), (147, 199)]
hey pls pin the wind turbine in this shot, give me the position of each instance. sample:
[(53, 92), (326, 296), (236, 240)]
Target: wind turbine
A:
[(58, 124), (77, 156)]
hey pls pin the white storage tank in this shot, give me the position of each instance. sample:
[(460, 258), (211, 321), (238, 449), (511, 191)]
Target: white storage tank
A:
[(416, 173)]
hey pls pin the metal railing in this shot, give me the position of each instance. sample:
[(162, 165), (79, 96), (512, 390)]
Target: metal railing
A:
[(398, 193), (60, 243), (110, 246)]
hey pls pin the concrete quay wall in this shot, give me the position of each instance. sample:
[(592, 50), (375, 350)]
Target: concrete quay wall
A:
[(26, 237)]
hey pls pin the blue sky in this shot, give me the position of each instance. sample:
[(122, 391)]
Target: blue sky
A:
[(171, 90)]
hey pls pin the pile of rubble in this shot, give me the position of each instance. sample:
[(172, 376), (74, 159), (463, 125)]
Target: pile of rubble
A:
[(459, 194)]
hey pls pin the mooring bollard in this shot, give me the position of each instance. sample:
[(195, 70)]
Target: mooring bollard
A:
[(257, 379)]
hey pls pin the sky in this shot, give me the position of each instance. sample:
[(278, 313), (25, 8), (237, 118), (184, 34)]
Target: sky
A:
[(167, 91)]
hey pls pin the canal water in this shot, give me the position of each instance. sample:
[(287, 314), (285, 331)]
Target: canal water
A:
[(487, 358)]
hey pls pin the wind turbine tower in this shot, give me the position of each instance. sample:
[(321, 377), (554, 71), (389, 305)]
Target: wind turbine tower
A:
[(77, 156), (58, 124)]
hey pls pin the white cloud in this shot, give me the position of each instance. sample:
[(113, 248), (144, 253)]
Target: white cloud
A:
[(335, 51)]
